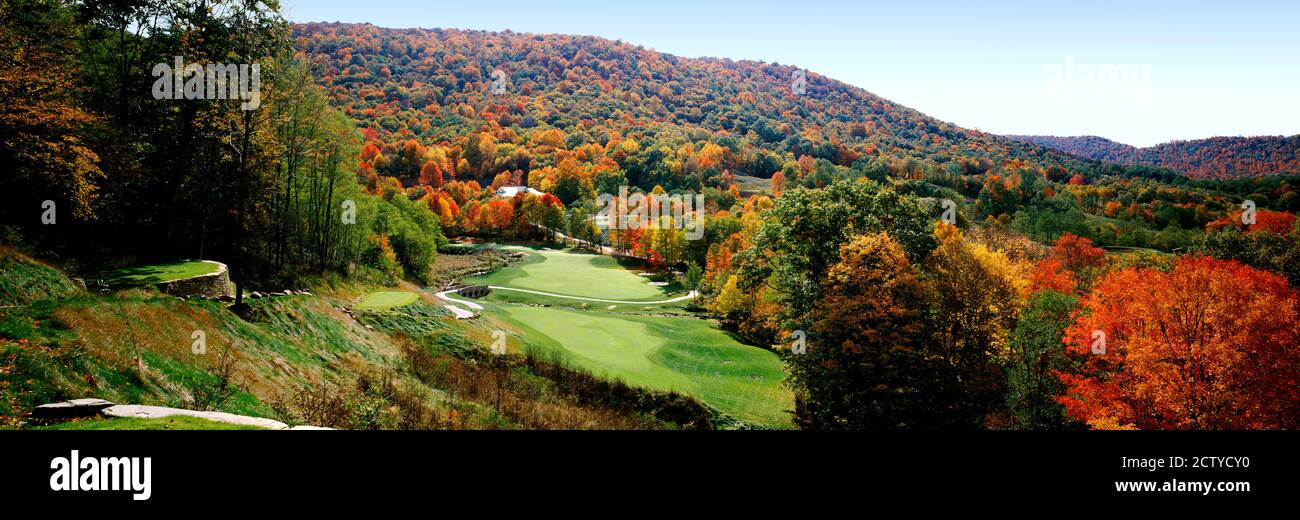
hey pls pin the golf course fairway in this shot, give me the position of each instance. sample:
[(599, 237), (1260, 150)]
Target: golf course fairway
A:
[(641, 344), (573, 274), (685, 355)]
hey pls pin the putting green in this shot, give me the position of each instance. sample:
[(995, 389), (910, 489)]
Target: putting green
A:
[(685, 355), (384, 300), (573, 274), (158, 273)]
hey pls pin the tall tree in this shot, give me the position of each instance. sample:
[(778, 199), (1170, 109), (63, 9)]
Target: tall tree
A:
[(1208, 345), (1037, 355), (44, 149), (974, 297), (862, 359), (801, 237)]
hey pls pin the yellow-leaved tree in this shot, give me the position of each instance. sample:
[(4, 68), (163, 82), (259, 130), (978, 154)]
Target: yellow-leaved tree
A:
[(975, 297)]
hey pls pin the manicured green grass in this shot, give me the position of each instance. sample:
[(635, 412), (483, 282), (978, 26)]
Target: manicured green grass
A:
[(384, 300), (157, 273), (679, 354), (538, 299), (686, 355), (574, 274), (176, 422)]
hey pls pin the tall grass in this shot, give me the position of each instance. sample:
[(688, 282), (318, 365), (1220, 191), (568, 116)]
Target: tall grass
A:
[(534, 393), (24, 280)]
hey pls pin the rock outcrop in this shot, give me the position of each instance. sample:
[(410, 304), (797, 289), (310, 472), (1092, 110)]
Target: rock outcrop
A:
[(81, 408), (71, 409)]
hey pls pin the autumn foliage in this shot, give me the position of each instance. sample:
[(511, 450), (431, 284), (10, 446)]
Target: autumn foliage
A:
[(1049, 274), (44, 146), (868, 323), (1216, 157), (1211, 344), (1076, 253), (1276, 222)]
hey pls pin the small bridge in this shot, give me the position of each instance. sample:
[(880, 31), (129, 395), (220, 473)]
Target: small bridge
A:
[(474, 291)]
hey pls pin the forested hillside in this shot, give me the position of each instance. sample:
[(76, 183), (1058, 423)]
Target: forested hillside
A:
[(1216, 157), (437, 84), (578, 116)]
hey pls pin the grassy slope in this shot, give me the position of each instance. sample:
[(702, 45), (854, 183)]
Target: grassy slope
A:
[(681, 354), (157, 273), (57, 343), (88, 345), (24, 280), (72, 344)]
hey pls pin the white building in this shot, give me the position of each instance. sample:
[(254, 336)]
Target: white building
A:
[(511, 191)]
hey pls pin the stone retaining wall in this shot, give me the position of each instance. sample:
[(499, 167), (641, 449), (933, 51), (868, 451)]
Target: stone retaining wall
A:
[(212, 285)]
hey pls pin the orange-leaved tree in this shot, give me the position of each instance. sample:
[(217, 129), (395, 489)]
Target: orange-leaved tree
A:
[(1048, 274), (1276, 222), (1211, 344), (862, 368), (1076, 253)]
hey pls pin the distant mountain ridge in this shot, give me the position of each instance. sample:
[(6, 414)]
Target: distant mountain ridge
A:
[(1215, 157)]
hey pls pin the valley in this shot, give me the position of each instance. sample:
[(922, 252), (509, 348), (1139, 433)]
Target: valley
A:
[(635, 342), (395, 235)]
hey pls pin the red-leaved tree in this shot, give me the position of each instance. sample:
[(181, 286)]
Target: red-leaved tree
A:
[(1212, 344)]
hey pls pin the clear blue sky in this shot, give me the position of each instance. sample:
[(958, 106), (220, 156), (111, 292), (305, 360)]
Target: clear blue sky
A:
[(1227, 68)]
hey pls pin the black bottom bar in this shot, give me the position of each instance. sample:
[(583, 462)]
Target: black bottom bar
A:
[(306, 471)]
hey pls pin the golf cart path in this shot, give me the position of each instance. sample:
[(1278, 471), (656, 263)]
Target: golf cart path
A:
[(461, 314)]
